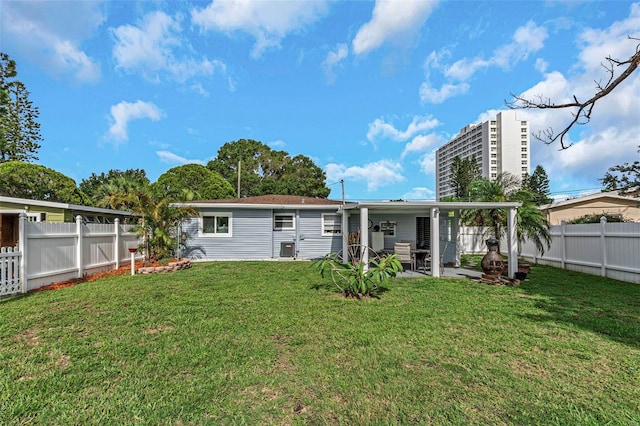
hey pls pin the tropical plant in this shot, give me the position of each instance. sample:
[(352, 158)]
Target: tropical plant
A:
[(531, 222), (158, 218), (100, 187), (349, 274), (158, 228)]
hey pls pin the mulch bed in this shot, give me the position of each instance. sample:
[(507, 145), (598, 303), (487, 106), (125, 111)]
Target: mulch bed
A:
[(93, 277)]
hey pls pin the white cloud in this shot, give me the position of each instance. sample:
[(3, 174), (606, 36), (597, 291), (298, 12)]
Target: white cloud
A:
[(279, 144), (396, 21), (611, 137), (51, 34), (332, 60), (431, 95), (527, 39), (124, 112), (171, 158), (428, 163), (151, 47), (379, 128), (421, 143), (419, 193), (376, 175), (269, 22)]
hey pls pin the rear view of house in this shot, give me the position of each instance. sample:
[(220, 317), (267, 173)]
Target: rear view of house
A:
[(263, 227)]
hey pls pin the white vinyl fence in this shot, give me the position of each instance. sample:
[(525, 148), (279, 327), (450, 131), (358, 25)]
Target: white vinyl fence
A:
[(52, 252), (607, 249)]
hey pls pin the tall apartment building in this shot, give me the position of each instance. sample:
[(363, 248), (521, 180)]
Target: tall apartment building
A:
[(500, 145)]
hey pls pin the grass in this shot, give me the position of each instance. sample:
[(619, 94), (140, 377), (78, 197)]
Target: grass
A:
[(272, 343)]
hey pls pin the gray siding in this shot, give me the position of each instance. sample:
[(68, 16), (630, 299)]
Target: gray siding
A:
[(312, 244), (253, 236)]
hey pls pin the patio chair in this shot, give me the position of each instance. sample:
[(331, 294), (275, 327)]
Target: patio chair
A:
[(403, 252)]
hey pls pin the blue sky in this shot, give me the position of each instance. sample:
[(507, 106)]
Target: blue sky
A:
[(368, 90)]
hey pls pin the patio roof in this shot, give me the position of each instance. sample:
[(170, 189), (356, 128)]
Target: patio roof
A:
[(412, 206)]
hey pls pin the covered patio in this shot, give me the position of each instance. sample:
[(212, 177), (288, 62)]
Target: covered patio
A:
[(430, 226)]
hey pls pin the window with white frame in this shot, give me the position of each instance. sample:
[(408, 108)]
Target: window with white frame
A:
[(331, 224), (283, 222), (215, 225)]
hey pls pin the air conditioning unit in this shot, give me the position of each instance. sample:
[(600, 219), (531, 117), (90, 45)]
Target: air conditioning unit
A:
[(287, 249)]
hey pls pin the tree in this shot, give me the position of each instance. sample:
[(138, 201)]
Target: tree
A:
[(194, 180), (582, 110), (531, 222), (99, 187), (34, 182), (266, 171), (463, 172), (622, 177), (19, 128), (538, 185)]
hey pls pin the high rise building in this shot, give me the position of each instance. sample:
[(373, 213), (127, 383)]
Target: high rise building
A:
[(500, 145)]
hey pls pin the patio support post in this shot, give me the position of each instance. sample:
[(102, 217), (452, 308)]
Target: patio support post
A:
[(364, 236), (345, 234), (512, 242), (435, 242)]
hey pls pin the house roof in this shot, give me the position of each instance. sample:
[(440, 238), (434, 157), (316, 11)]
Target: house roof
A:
[(64, 206), (298, 202), (266, 201), (612, 196)]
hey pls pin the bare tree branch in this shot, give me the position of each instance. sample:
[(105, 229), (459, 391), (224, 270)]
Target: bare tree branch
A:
[(581, 110)]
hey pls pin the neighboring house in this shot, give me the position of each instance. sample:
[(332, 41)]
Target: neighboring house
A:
[(47, 211), (286, 226), (600, 203)]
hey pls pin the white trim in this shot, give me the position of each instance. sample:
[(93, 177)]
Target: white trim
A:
[(215, 234), (293, 222)]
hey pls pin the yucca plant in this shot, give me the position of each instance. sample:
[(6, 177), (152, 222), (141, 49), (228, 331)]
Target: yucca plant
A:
[(349, 274)]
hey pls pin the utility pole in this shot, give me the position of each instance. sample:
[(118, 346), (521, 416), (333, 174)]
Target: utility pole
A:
[(239, 168), (342, 183)]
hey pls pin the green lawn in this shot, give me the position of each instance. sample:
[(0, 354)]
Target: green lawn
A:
[(272, 343)]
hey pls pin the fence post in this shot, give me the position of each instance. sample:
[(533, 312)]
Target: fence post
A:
[(117, 242), (563, 240), (22, 248), (603, 246), (79, 246)]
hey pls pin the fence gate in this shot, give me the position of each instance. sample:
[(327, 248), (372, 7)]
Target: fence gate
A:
[(9, 271)]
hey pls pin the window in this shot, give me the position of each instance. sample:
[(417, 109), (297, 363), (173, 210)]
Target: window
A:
[(283, 222), (388, 228), (331, 224), (215, 225)]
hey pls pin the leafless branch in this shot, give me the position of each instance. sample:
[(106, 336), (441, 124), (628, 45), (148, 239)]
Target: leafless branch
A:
[(581, 111)]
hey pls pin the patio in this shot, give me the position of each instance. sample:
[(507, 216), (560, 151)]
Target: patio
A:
[(447, 272)]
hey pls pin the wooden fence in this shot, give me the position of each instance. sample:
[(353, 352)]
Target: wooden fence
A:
[(607, 249), (52, 252)]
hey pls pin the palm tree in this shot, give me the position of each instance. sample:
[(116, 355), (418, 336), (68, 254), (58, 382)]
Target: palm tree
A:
[(158, 219), (531, 222)]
